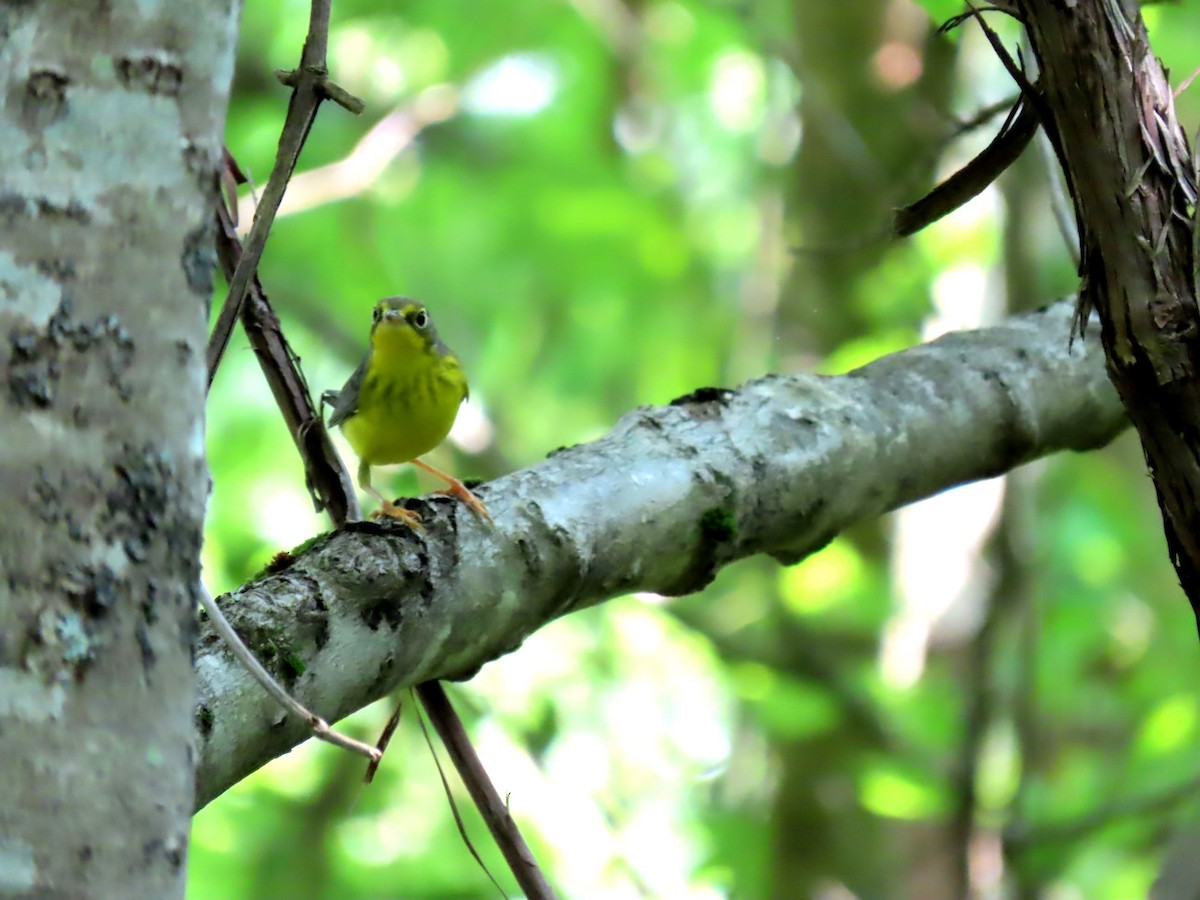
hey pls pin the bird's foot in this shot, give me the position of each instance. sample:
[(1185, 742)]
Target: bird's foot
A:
[(463, 493), (392, 510)]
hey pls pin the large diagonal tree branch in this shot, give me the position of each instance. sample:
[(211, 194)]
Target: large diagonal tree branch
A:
[(1109, 110), (670, 496)]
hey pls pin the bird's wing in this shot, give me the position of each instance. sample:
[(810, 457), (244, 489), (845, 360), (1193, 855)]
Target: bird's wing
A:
[(452, 370), (345, 401)]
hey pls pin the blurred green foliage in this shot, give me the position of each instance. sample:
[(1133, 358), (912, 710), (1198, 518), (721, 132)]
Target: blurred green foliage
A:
[(608, 205)]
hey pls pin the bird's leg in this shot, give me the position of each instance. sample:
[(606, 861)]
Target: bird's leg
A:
[(388, 508), (456, 489)]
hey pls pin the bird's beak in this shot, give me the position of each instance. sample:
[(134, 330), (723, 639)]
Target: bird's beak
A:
[(393, 314)]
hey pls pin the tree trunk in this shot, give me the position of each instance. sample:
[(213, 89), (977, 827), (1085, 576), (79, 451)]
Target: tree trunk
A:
[(111, 122), (1107, 106)]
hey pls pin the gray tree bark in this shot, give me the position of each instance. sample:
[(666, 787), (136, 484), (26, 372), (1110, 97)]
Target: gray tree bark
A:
[(111, 121), (660, 504)]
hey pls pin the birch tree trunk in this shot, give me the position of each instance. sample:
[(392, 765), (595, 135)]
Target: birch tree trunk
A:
[(111, 120)]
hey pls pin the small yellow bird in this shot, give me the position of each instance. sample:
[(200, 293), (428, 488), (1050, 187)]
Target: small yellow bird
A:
[(402, 400)]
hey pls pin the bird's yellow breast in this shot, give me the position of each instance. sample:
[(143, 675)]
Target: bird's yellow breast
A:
[(408, 401)]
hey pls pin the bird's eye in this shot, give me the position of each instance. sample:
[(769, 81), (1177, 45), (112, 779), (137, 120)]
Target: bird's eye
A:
[(377, 314), (420, 319)]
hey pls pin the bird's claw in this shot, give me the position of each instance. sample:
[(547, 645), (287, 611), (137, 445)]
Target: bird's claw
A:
[(463, 493), (392, 510)]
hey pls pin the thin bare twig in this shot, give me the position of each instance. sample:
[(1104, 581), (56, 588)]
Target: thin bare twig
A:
[(458, 819), (1030, 91), (320, 728), (326, 476), (384, 739), (1186, 83), (1060, 203), (310, 86), (983, 116), (974, 177), (972, 13), (1005, 147), (494, 811)]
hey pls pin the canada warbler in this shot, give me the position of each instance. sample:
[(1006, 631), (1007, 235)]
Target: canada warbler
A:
[(401, 400)]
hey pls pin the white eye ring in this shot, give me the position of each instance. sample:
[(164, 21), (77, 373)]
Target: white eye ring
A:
[(376, 314), (420, 319)]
